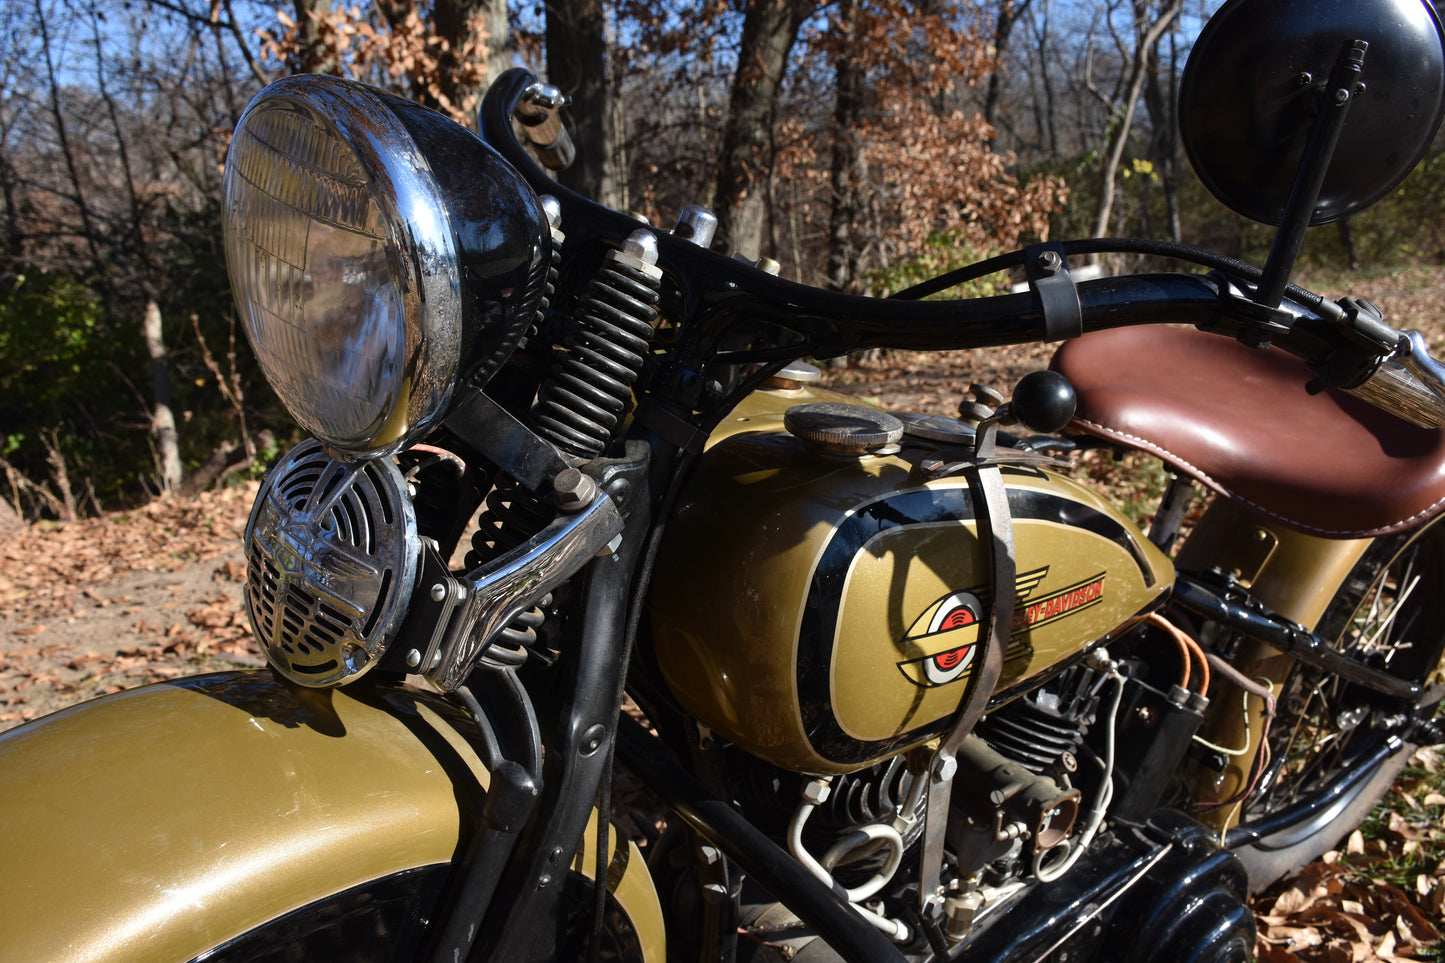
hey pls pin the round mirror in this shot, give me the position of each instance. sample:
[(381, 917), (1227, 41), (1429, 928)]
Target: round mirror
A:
[(1256, 81)]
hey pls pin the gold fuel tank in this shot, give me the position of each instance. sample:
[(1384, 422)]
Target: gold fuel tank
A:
[(826, 611)]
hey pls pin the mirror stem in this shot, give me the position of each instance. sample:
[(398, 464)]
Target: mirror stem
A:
[(1344, 84)]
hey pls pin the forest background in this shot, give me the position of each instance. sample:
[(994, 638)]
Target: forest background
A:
[(863, 144)]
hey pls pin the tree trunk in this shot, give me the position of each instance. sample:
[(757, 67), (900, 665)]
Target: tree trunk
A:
[(1147, 35), (313, 55), (163, 422), (473, 31), (1347, 243), (577, 65), (1045, 112), (499, 40), (1160, 97), (1008, 15), (846, 173), (10, 521), (770, 28)]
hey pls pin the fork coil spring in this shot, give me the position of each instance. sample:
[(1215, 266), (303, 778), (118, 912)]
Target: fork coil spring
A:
[(589, 392)]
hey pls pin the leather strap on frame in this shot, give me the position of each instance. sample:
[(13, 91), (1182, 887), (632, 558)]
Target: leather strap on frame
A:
[(1048, 274), (995, 531)]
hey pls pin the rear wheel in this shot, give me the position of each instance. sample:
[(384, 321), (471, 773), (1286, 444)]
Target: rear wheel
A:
[(1336, 747)]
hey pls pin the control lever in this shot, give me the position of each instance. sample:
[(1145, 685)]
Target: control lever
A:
[(1043, 402), (537, 112)]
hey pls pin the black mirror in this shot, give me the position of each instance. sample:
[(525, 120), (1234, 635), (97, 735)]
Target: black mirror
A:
[(1259, 77)]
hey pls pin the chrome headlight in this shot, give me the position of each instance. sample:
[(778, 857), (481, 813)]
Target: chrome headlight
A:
[(378, 252)]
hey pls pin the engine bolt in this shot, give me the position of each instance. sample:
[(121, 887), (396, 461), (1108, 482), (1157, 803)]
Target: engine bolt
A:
[(438, 592), (815, 791), (641, 245), (413, 658)]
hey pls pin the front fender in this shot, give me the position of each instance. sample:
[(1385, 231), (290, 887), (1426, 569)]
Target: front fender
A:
[(234, 816), (163, 822)]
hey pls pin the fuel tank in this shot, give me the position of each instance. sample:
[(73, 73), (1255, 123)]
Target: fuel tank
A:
[(232, 816), (824, 611)]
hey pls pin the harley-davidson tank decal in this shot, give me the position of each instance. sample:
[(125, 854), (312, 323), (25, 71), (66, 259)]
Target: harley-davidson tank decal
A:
[(944, 642), (950, 627), (1061, 604)]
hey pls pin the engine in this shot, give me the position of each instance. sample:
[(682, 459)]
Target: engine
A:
[(1014, 814)]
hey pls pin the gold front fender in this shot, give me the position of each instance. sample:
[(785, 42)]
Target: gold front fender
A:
[(159, 823), (165, 822)]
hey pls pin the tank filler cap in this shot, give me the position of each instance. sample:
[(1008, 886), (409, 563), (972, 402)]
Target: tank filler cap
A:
[(843, 429)]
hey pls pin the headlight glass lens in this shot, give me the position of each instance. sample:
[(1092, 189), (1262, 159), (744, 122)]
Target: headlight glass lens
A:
[(309, 257)]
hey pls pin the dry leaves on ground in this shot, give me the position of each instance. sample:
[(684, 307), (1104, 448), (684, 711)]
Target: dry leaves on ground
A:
[(1381, 899), (102, 604)]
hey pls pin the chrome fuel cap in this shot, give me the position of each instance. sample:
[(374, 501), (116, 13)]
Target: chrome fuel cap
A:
[(843, 429)]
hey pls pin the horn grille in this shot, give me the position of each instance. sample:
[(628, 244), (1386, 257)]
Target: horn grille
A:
[(332, 555)]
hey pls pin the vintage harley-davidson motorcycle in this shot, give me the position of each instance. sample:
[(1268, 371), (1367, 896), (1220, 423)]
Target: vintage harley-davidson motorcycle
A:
[(903, 689)]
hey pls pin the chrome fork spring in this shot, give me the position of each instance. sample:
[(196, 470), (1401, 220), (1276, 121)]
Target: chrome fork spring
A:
[(521, 632), (590, 390), (553, 210)]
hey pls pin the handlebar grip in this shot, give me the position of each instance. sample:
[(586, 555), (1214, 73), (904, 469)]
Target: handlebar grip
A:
[(1412, 388), (538, 113)]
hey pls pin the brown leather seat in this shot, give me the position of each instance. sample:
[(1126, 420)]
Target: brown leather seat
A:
[(1241, 422)]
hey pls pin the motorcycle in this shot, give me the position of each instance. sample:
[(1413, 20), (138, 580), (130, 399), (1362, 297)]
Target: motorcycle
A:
[(900, 688)]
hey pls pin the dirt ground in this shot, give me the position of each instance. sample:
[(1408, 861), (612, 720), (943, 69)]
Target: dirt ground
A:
[(107, 603)]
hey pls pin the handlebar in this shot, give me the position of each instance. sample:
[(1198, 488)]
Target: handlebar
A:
[(721, 303)]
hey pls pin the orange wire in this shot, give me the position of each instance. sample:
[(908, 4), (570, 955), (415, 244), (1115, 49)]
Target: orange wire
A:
[(1174, 634), (1187, 647)]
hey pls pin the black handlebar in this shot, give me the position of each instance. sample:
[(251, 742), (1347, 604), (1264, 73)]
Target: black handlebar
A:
[(720, 300)]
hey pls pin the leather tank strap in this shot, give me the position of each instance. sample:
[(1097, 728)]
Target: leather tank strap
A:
[(995, 531)]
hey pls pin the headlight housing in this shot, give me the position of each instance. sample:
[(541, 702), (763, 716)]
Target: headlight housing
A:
[(378, 252)]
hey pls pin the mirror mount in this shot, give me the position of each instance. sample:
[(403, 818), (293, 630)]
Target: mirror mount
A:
[(1277, 145), (1343, 86)]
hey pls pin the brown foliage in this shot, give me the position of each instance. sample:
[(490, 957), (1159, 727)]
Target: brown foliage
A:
[(394, 43), (1351, 906), (926, 162)]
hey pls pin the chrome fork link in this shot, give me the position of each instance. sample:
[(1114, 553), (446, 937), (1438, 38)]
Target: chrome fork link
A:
[(589, 392)]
